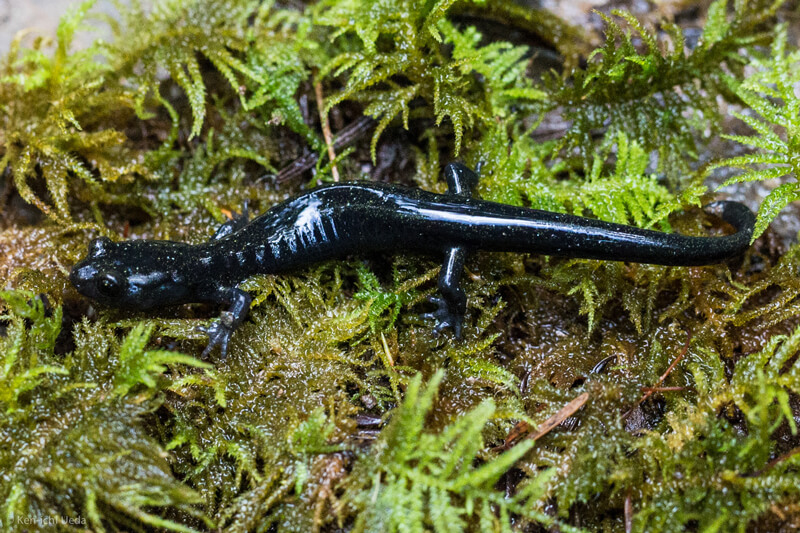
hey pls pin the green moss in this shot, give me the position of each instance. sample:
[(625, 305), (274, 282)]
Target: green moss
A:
[(75, 447), (337, 407), (771, 94)]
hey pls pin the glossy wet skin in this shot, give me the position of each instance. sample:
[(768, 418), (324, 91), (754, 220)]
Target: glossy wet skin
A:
[(351, 218), (134, 275)]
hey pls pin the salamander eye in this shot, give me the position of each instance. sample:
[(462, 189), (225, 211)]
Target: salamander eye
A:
[(109, 285)]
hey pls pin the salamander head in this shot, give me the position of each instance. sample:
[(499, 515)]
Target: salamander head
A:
[(132, 275)]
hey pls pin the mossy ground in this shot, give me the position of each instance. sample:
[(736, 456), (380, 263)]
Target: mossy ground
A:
[(337, 408)]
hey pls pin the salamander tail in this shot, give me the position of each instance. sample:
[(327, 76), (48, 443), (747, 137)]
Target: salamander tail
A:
[(738, 216)]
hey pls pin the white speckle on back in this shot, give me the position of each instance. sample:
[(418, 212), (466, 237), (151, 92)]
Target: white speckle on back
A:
[(307, 230)]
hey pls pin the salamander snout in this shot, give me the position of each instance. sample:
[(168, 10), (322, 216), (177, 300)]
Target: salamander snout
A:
[(134, 275), (96, 276), (99, 284), (79, 276), (82, 276)]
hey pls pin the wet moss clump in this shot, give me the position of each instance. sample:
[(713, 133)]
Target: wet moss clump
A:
[(584, 396)]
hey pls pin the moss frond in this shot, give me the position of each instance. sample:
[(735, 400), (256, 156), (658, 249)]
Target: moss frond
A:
[(771, 93), (416, 481), (137, 366), (399, 57), (173, 36), (734, 462), (76, 450), (381, 301), (658, 95), (338, 408), (51, 108)]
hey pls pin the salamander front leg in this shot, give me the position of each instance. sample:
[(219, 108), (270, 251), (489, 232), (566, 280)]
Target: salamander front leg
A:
[(452, 301), (220, 331), (237, 222)]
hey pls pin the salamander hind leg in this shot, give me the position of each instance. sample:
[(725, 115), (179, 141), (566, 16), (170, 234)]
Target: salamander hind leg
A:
[(452, 302), (461, 180)]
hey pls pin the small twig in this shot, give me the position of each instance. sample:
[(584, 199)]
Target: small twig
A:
[(346, 137), (386, 350), (628, 510), (64, 270), (773, 463), (665, 375), (6, 191), (326, 129), (554, 421), (517, 432), (651, 390), (548, 425)]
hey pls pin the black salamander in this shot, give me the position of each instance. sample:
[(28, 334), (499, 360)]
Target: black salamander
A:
[(338, 220)]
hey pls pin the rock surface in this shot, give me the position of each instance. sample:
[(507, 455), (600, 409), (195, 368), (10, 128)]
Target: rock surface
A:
[(41, 18)]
